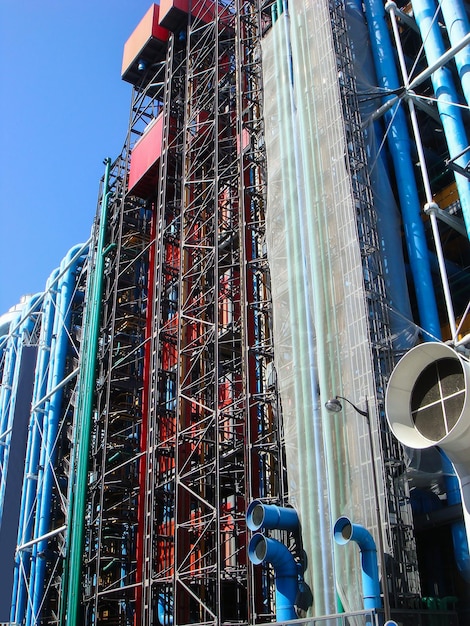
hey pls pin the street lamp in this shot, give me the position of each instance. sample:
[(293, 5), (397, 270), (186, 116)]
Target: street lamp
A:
[(334, 406)]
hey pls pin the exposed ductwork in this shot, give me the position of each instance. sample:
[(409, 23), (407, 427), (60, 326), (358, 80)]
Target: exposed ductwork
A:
[(345, 531), (290, 587), (266, 550), (260, 515), (427, 404)]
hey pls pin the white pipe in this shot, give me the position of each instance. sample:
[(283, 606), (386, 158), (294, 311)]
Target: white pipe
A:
[(63, 382), (36, 540), (442, 60)]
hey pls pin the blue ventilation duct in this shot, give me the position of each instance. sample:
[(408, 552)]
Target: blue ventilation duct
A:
[(459, 534), (404, 332), (262, 549), (26, 521), (400, 150), (458, 25), (266, 550), (345, 531), (446, 94), (260, 515)]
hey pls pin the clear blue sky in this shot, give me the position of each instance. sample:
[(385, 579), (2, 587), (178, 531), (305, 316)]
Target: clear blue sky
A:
[(63, 109)]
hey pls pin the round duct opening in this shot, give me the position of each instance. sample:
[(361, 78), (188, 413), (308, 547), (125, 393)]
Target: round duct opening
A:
[(437, 398), (427, 401), (343, 530), (257, 548), (255, 515)]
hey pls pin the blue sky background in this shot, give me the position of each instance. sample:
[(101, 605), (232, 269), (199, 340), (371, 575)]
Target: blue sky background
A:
[(63, 109)]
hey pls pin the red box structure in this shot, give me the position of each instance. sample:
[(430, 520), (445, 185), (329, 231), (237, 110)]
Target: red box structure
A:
[(147, 45), (145, 159), (174, 13)]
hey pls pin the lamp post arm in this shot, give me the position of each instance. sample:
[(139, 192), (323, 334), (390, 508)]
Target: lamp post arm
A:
[(360, 411)]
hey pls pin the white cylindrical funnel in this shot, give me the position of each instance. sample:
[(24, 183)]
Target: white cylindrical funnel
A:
[(427, 404)]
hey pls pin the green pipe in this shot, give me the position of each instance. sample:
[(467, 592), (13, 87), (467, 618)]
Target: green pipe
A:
[(316, 220), (309, 423), (300, 416), (325, 323), (70, 613)]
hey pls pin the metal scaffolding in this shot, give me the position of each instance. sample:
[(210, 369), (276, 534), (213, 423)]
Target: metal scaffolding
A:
[(113, 485), (186, 425), (209, 391)]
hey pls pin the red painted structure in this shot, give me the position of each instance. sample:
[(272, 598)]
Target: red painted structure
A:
[(146, 45), (174, 13)]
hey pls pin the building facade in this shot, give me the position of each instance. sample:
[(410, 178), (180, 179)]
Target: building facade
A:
[(287, 219)]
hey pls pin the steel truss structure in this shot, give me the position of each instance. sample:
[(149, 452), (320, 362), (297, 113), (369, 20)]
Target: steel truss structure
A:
[(186, 424), (115, 450), (156, 415), (213, 431)]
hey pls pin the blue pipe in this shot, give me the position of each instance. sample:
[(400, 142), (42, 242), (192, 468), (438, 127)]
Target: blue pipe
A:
[(10, 349), (458, 530), (266, 550), (59, 351), (446, 94), (400, 151), (458, 25), (260, 515), (25, 527), (345, 531), (404, 333), (27, 325)]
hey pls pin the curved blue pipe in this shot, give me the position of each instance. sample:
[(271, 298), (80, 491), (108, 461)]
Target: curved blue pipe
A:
[(400, 151), (345, 531), (25, 527), (260, 515), (266, 550), (446, 94), (458, 25)]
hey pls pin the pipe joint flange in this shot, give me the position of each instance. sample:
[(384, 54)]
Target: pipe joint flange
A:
[(431, 208)]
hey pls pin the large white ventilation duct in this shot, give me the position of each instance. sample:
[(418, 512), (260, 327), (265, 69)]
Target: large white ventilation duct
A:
[(427, 404)]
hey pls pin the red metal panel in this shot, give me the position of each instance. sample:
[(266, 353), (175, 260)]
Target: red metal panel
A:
[(147, 43), (174, 13), (145, 160)]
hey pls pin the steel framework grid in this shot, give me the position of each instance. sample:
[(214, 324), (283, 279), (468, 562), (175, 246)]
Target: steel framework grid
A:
[(212, 426), (111, 526)]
